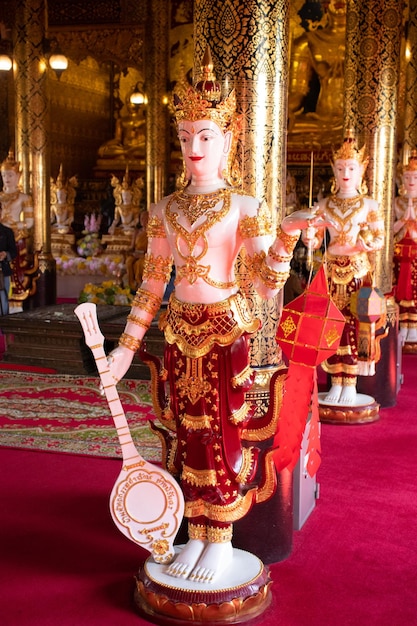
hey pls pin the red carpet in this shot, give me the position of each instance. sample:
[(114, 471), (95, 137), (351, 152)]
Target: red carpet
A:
[(354, 563), (61, 413)]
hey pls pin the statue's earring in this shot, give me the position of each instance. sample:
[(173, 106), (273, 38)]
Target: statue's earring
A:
[(363, 188), (334, 188), (402, 190), (184, 178)]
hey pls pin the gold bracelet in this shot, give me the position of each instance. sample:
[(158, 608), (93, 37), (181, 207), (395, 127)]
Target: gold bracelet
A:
[(289, 241), (147, 301), (271, 278), (138, 320), (278, 257), (128, 341)]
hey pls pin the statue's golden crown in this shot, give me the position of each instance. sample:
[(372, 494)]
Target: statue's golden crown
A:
[(204, 101), (411, 166), (10, 163), (193, 106), (349, 150)]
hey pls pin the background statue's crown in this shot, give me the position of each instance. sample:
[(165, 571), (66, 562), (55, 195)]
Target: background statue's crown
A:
[(10, 163), (349, 150), (204, 100), (411, 166)]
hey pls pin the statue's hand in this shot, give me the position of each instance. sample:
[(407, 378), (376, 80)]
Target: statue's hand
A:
[(119, 361)]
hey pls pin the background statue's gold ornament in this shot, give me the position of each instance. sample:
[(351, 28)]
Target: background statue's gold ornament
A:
[(10, 163), (411, 166)]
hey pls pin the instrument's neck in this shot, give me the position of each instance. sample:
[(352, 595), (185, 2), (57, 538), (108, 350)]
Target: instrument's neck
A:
[(129, 451)]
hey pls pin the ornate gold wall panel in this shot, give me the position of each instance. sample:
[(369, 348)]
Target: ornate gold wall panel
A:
[(122, 45), (157, 121), (410, 96), (249, 45), (373, 39), (79, 106), (32, 114)]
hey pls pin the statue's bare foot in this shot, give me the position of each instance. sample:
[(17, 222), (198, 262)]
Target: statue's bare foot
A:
[(214, 560), (334, 394), (403, 333), (348, 395), (183, 564), (412, 335)]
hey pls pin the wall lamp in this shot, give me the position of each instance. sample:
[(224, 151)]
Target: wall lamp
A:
[(6, 52), (56, 59), (138, 95)]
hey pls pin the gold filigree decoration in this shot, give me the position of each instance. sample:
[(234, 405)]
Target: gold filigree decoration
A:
[(241, 378), (199, 478), (258, 225), (219, 535), (240, 415), (191, 270), (193, 384), (246, 467), (222, 512), (195, 205), (289, 241), (192, 107), (195, 422), (288, 326), (138, 321), (147, 301), (157, 268), (155, 228), (271, 278), (197, 531), (331, 336), (130, 342)]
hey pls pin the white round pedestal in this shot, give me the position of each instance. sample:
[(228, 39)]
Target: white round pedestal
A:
[(240, 594), (364, 409)]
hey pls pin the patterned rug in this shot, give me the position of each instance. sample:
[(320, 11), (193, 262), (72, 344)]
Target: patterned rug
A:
[(62, 413)]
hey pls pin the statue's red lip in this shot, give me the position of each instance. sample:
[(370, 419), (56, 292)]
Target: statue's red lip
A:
[(196, 158)]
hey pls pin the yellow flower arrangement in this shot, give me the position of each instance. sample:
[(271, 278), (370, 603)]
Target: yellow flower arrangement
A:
[(108, 292)]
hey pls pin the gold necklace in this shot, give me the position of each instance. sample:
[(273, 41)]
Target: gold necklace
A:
[(195, 205)]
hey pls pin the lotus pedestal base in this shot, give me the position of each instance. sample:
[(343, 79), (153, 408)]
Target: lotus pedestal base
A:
[(241, 594)]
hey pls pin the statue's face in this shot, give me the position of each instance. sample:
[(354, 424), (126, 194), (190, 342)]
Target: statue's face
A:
[(348, 174), (10, 178), (410, 183), (203, 147)]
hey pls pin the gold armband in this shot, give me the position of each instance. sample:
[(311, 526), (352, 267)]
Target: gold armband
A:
[(155, 228), (157, 268), (147, 301), (128, 341), (289, 241), (138, 321), (257, 226)]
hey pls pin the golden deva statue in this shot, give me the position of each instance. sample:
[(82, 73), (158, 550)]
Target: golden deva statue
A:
[(62, 203), (127, 204), (128, 144), (16, 206), (320, 53)]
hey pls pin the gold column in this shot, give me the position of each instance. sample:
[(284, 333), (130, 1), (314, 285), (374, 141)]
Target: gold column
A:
[(32, 126), (410, 110), (156, 79), (249, 45), (372, 76), (373, 41)]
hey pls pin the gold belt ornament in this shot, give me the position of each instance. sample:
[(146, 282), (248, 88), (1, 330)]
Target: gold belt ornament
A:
[(343, 269)]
